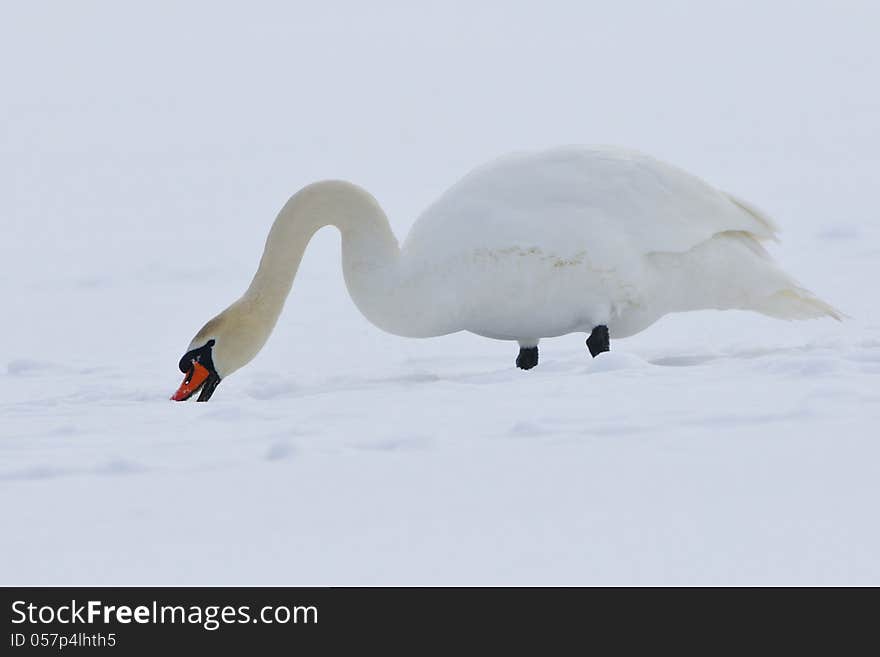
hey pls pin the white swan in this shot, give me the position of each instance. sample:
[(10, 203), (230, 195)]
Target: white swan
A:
[(599, 240)]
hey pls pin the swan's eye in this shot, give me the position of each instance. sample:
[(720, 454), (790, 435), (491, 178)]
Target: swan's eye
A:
[(186, 362), (200, 356)]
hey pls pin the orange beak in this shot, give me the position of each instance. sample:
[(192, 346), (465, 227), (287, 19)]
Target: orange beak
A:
[(193, 380)]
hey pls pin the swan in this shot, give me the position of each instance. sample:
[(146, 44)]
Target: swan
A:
[(598, 240)]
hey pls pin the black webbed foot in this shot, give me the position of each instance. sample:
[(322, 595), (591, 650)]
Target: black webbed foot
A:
[(599, 341), (528, 358)]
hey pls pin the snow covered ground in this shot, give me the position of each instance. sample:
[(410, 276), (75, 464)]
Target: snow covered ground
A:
[(143, 155)]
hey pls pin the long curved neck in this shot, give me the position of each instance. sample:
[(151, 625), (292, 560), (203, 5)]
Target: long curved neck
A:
[(392, 296), (370, 253)]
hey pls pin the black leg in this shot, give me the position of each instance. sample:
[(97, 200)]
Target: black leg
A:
[(599, 341), (528, 358)]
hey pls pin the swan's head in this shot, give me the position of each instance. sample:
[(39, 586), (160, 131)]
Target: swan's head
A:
[(200, 373), (226, 343)]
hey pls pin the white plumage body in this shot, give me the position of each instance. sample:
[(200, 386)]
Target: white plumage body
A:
[(544, 244)]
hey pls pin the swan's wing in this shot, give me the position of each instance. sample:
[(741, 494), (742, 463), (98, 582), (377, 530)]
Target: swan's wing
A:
[(612, 205)]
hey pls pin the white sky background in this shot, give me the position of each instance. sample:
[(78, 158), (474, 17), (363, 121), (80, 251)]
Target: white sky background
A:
[(405, 97)]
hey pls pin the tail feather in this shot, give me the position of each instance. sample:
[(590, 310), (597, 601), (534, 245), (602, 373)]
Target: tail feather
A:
[(797, 303), (790, 300), (732, 270)]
